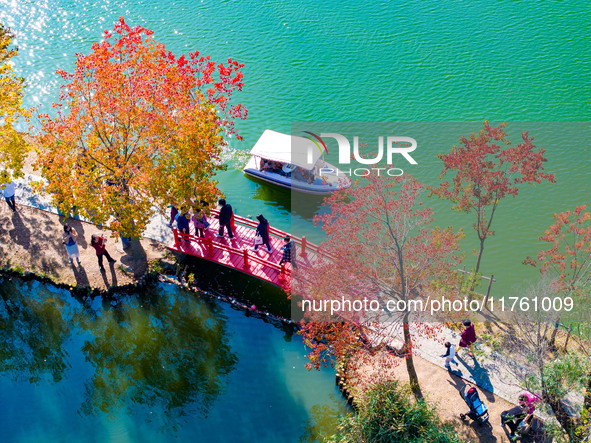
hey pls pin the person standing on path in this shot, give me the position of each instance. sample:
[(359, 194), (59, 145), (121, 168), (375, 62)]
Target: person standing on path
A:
[(173, 213), (8, 192), (263, 232), (468, 337), (70, 240), (98, 243), (225, 217)]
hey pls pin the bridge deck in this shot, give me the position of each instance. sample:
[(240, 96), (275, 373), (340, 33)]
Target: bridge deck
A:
[(236, 253)]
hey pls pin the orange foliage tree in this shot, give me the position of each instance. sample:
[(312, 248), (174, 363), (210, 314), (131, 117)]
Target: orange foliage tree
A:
[(137, 128), (380, 248), (13, 149), (485, 173)]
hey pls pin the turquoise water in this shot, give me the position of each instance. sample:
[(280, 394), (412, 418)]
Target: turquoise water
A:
[(166, 367), (367, 62)]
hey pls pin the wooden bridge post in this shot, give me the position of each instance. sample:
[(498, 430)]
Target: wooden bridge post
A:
[(210, 246), (303, 244), (282, 268), (176, 238), (245, 256)]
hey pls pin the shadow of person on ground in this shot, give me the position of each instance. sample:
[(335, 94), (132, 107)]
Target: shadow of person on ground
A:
[(20, 234), (113, 274), (80, 276), (480, 375), (105, 281)]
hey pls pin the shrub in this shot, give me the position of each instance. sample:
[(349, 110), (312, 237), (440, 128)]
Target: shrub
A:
[(388, 412)]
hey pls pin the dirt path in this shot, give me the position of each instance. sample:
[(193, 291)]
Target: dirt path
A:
[(32, 239), (442, 390)]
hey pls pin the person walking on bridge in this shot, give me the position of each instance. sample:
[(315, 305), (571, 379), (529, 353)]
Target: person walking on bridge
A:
[(225, 218), (263, 233)]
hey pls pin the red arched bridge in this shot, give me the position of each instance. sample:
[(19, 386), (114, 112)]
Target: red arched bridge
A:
[(236, 253)]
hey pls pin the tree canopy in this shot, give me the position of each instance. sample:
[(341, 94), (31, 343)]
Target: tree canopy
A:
[(485, 173), (13, 149), (137, 128), (382, 250)]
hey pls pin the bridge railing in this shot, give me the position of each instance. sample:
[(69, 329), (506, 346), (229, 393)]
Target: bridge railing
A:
[(302, 242), (210, 246)]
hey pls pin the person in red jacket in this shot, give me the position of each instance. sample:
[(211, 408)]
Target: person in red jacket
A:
[(98, 243), (468, 337)]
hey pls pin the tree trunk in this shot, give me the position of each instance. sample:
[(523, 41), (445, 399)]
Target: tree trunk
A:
[(410, 366), (552, 342), (477, 263), (562, 416)]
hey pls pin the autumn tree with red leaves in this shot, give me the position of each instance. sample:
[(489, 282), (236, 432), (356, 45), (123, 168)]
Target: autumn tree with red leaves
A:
[(485, 173), (137, 128), (379, 248), (568, 257)]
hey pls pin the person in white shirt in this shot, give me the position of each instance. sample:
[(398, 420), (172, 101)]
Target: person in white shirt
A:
[(8, 192), (449, 355)]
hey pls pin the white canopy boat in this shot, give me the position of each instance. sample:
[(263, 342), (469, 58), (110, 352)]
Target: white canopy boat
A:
[(294, 162)]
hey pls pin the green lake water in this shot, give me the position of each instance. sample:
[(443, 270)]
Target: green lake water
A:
[(434, 63)]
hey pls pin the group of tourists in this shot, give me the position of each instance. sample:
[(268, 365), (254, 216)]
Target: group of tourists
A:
[(184, 219), (70, 240), (518, 419)]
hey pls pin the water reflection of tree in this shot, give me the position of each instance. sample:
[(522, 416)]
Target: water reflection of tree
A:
[(172, 353), (32, 334)]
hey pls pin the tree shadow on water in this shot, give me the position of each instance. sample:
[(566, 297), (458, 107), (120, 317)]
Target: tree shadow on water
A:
[(168, 352)]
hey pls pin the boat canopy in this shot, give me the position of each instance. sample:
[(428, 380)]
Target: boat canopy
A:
[(298, 151)]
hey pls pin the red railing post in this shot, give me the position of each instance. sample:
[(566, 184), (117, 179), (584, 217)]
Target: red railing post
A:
[(304, 242), (245, 256), (176, 238), (282, 268), (210, 246)]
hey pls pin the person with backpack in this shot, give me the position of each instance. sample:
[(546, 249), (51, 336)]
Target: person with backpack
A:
[(70, 240), (262, 234), (98, 243)]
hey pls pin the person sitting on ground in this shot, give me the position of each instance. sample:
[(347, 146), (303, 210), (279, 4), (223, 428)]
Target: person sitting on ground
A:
[(288, 252), (520, 417), (98, 243), (263, 232), (449, 355), (468, 337)]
